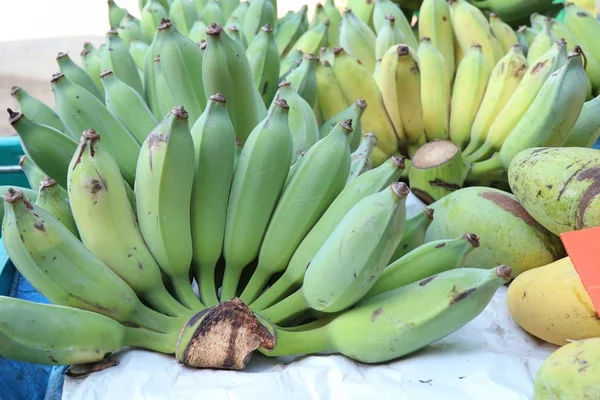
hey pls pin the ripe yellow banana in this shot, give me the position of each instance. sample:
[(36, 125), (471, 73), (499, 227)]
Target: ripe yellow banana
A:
[(542, 43), (435, 23), (503, 32), (358, 39), (330, 97)]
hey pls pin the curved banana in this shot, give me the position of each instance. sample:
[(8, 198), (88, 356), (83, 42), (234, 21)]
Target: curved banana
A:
[(363, 9), (117, 58), (228, 6), (304, 79), (183, 14), (587, 128), (263, 58), (129, 29), (214, 145), (91, 63), (212, 13), (354, 112), (51, 199), (388, 36), (313, 39), (387, 7), (358, 39), (330, 96), (332, 13), (198, 31), (77, 75), (542, 42), (414, 233), (289, 31), (165, 99), (138, 50), (259, 13), (434, 23), (32, 172), (152, 15), (268, 154), (39, 111), (471, 80), (115, 14), (585, 28), (150, 81), (435, 91), (360, 160)]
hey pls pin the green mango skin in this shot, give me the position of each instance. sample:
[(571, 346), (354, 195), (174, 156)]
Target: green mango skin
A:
[(570, 373), (508, 234), (558, 186)]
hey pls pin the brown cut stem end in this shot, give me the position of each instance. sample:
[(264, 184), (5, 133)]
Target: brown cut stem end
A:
[(401, 189), (504, 272), (12, 196), (218, 97), (47, 182), (473, 239), (13, 117)]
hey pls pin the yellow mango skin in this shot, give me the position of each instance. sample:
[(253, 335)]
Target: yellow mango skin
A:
[(570, 373), (558, 186), (508, 234), (551, 303)]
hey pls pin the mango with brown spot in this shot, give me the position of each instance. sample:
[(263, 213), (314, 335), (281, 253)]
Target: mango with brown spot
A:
[(559, 187), (508, 234)]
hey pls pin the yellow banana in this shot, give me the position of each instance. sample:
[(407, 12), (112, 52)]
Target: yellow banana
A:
[(541, 44), (503, 32), (358, 39), (434, 23)]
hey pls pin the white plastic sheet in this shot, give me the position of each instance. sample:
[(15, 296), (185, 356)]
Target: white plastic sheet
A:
[(490, 358)]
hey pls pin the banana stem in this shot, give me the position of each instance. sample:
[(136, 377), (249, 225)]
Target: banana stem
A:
[(145, 339), (185, 294), (487, 169), (257, 283), (155, 321), (207, 285), (273, 294), (162, 301), (231, 280), (303, 342), (287, 308)]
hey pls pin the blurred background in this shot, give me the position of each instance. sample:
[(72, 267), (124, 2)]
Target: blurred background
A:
[(30, 41)]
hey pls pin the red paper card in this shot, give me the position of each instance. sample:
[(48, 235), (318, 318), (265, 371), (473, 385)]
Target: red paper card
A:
[(583, 249)]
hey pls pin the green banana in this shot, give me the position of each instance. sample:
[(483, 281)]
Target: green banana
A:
[(240, 11), (163, 191), (358, 39), (388, 36), (513, 11), (506, 230), (541, 43), (363, 9), (129, 29), (333, 15), (198, 31), (55, 262), (354, 112), (58, 335), (290, 62), (313, 39), (212, 12), (115, 14), (414, 233), (301, 119), (330, 97), (382, 9), (263, 58), (504, 79), (138, 50), (234, 33), (435, 23), (225, 70), (305, 198), (360, 159), (425, 261), (525, 35), (46, 146), (259, 13), (181, 63), (363, 186), (472, 76), (117, 58), (30, 194), (355, 254), (80, 110), (587, 128), (268, 154), (165, 99), (32, 172), (199, 5), (128, 106), (107, 225), (183, 14), (326, 54), (304, 79), (214, 145), (39, 111), (521, 99), (289, 31), (150, 79), (50, 198), (228, 6), (77, 75), (91, 63)]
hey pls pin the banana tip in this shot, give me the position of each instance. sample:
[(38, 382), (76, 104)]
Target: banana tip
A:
[(202, 44), (267, 28), (164, 24), (402, 50), (400, 189), (473, 239), (90, 134), (13, 195), (390, 18), (47, 182), (14, 90), (214, 29), (347, 125), (13, 116), (311, 57), (218, 97), (399, 161), (361, 103), (61, 55), (180, 112), (504, 272), (282, 103), (429, 212), (56, 77)]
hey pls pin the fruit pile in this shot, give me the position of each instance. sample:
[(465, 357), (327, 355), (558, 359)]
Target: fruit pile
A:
[(212, 146)]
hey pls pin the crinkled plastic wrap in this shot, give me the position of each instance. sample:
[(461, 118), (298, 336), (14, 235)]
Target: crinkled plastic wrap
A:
[(490, 358)]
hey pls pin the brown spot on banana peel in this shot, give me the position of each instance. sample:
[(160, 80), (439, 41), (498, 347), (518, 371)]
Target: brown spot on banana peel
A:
[(13, 196), (461, 296), (512, 206), (538, 66), (40, 226), (440, 245), (427, 280), (589, 194), (105, 310), (376, 314)]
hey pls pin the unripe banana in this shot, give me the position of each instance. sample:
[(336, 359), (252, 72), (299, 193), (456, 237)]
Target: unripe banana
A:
[(585, 28), (234, 33), (259, 13), (435, 91), (128, 106), (313, 39), (288, 31), (117, 58), (165, 99), (363, 186), (32, 172), (263, 58), (301, 120), (51, 199), (304, 78), (330, 97), (115, 14), (471, 80), (107, 225), (358, 39), (305, 198), (198, 31), (388, 36), (414, 233), (503, 32), (504, 79), (470, 26), (363, 9), (150, 81), (268, 153), (290, 62), (225, 69), (77, 75), (560, 31), (384, 8), (228, 6), (240, 11), (400, 85), (434, 23), (521, 99), (425, 261), (326, 54), (587, 128), (335, 18), (358, 83), (79, 110), (138, 50), (129, 29), (198, 5), (360, 160), (91, 63), (163, 190), (58, 335), (354, 112), (537, 21), (183, 14), (542, 43), (212, 13), (526, 36), (181, 62), (214, 144)]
